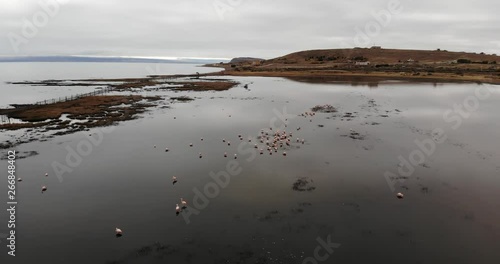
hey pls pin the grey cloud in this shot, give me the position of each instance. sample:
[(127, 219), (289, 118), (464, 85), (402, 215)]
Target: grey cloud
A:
[(193, 28)]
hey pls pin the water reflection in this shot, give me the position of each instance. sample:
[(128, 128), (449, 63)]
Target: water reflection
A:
[(262, 216), (359, 81)]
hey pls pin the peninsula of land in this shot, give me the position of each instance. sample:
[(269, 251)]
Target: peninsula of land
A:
[(373, 63)]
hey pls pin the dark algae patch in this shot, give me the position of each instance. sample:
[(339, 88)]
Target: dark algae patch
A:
[(182, 98), (21, 155), (324, 109), (303, 184)]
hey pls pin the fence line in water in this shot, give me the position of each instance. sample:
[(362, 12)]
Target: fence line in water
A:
[(64, 99)]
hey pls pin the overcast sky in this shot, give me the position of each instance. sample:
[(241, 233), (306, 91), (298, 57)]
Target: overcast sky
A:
[(232, 28)]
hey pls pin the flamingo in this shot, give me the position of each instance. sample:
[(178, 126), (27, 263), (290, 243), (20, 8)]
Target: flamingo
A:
[(44, 188), (166, 149), (200, 155), (235, 156), (46, 174), (225, 154), (191, 144), (118, 232), (224, 140), (284, 153), (177, 208), (400, 196), (174, 180), (183, 203), (19, 179)]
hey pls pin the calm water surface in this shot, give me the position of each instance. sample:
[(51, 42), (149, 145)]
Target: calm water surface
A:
[(449, 213)]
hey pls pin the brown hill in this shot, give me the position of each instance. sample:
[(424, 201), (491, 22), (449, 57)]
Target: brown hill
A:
[(379, 55), (376, 63), (244, 60)]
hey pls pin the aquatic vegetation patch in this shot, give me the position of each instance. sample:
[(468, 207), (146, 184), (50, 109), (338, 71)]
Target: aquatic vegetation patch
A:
[(303, 184), (324, 109)]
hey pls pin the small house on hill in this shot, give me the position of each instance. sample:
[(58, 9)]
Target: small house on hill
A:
[(362, 63)]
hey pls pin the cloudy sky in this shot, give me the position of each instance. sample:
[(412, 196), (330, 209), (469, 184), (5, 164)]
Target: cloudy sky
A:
[(232, 28)]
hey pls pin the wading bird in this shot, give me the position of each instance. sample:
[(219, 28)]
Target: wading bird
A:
[(118, 232)]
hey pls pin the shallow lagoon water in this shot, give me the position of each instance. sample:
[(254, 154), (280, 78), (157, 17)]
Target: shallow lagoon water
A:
[(449, 213), (25, 94)]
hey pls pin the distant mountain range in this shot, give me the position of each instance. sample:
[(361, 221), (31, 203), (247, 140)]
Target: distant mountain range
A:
[(109, 59)]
